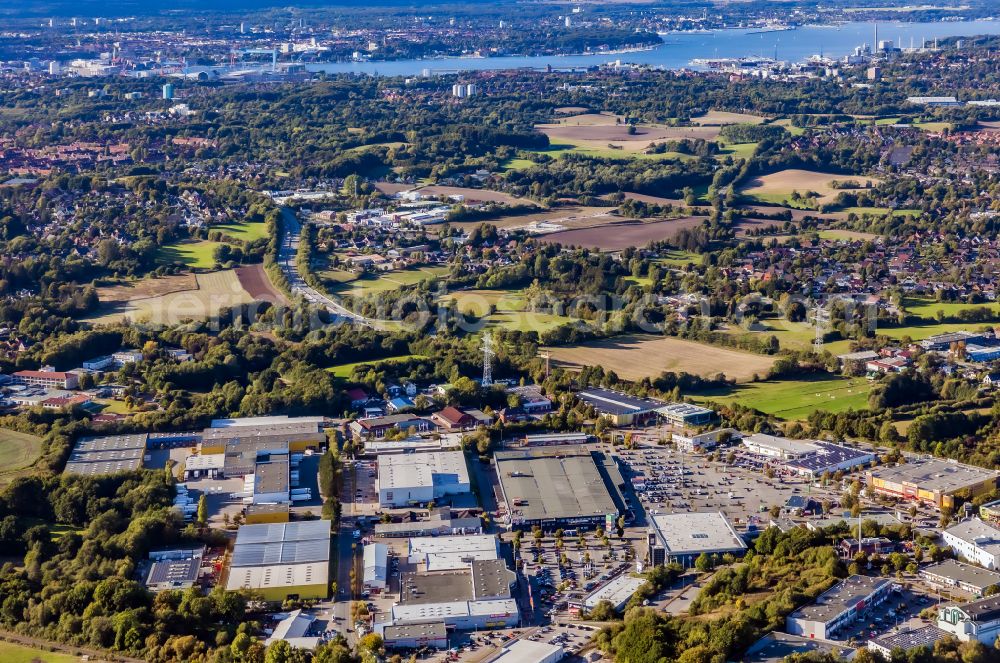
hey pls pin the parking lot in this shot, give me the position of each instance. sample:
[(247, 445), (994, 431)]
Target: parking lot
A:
[(901, 608)]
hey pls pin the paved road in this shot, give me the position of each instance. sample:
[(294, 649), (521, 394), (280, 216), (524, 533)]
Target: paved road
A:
[(345, 558), (291, 233)]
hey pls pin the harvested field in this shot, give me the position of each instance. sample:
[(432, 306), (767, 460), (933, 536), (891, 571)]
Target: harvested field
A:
[(570, 110), (778, 187), (555, 219), (475, 195), (254, 280), (585, 119), (390, 188), (621, 236), (744, 226), (635, 356), (148, 287), (605, 133), (720, 118), (797, 214), (212, 292)]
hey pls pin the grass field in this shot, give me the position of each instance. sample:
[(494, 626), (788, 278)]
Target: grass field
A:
[(17, 451), (14, 653), (721, 118), (246, 232), (344, 371), (517, 164), (338, 281), (509, 310), (796, 399), (196, 255), (920, 332), (848, 235), (678, 258), (635, 356), (741, 150), (929, 308), (880, 211), (211, 292), (791, 335)]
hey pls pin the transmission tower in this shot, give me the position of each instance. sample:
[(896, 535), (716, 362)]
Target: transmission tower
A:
[(487, 360)]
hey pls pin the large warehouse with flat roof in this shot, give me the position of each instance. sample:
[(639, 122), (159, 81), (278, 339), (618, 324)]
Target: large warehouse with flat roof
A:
[(622, 409), (96, 456), (559, 486), (282, 560), (683, 537), (933, 481), (418, 478)]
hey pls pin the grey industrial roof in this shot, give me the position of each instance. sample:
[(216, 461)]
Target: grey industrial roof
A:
[(285, 552), (986, 609), (615, 402), (936, 474), (829, 455), (303, 530), (272, 476), (436, 587), (111, 443), (94, 456), (176, 572), (491, 579), (696, 533), (925, 636), (839, 599), (405, 631), (776, 646), (555, 483), (968, 574)]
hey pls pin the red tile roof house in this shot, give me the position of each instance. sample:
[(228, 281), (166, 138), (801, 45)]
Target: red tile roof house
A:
[(358, 396), (452, 419)]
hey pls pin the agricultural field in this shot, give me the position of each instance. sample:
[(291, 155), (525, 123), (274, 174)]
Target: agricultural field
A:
[(14, 653), (255, 281), (549, 220), (17, 451), (623, 235), (797, 399), (929, 308), (715, 118), (509, 311), (475, 195), (846, 235), (191, 254), (777, 188), (245, 232), (343, 371), (790, 335), (879, 211), (636, 356), (212, 291), (600, 135)]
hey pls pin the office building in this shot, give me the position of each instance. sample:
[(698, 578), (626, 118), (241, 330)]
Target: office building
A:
[(838, 606), (976, 541), (420, 478), (620, 408), (686, 414), (683, 537), (977, 620), (378, 427), (416, 636), (168, 91), (933, 481), (50, 379)]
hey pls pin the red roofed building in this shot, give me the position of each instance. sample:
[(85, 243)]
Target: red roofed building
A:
[(56, 379)]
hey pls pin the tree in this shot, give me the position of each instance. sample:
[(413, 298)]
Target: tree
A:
[(202, 509), (703, 563), (371, 642)]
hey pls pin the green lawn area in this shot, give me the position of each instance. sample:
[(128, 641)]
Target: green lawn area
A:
[(934, 127), (342, 282), (678, 258), (18, 450), (883, 121), (111, 406), (796, 399), (517, 164), (778, 198), (741, 150), (246, 232), (928, 308), (14, 653), (510, 310), (792, 336), (920, 332), (196, 255), (344, 371)]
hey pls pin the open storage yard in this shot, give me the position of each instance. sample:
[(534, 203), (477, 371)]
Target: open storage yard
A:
[(634, 357), (212, 291)]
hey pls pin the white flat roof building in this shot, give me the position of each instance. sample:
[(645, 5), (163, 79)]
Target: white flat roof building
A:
[(682, 537), (777, 447), (618, 592), (976, 541), (376, 558), (529, 651), (419, 478), (265, 421), (462, 615), (441, 553)]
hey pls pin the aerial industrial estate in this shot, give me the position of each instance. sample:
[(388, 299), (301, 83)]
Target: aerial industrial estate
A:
[(518, 332)]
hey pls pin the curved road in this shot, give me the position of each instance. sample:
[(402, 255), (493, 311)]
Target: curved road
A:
[(291, 232)]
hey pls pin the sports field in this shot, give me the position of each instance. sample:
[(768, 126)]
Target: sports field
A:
[(211, 292), (17, 451), (777, 188), (14, 653), (797, 399), (636, 356), (193, 254)]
